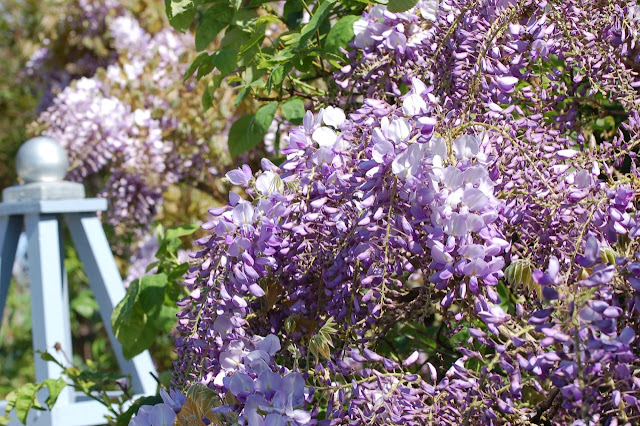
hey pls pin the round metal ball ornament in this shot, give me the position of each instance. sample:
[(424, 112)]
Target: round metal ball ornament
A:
[(42, 159)]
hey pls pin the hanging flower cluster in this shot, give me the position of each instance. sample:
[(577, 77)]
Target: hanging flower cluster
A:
[(72, 46), (132, 128), (333, 237), (482, 197)]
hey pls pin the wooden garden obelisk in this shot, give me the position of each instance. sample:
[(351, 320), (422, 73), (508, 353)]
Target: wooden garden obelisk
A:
[(40, 206)]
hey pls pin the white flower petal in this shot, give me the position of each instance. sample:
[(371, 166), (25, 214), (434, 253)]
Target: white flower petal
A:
[(324, 136), (333, 116), (413, 104), (399, 130)]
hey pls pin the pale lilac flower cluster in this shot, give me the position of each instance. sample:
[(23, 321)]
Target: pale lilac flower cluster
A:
[(587, 348), (138, 49), (388, 45), (65, 56), (115, 123), (265, 392), (629, 35), (102, 133)]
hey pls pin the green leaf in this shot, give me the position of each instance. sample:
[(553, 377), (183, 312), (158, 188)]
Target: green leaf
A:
[(55, 386), (84, 304), (130, 322), (340, 34), (216, 80), (255, 39), (325, 54), (314, 22), (505, 300), (46, 356), (180, 13), (214, 20), (274, 82), (397, 6), (275, 61), (262, 120), (178, 271), (210, 90), (253, 76), (267, 19), (151, 266), (239, 139), (293, 110), (137, 335), (303, 64), (248, 131), (604, 123), (248, 58), (152, 293), (166, 318), (11, 401), (174, 292), (195, 65), (275, 79), (293, 13), (170, 241), (122, 312), (240, 97), (324, 27), (234, 38), (207, 99), (205, 67), (225, 61), (26, 399), (245, 18), (180, 231), (290, 39)]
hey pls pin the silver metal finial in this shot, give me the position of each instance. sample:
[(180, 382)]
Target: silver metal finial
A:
[(42, 159), (42, 164)]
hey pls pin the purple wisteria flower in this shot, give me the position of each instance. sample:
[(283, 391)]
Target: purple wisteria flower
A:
[(163, 414), (468, 155)]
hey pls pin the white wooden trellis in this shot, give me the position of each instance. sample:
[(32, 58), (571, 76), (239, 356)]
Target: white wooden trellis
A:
[(42, 206)]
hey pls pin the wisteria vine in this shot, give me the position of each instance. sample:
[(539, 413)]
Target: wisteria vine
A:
[(485, 185)]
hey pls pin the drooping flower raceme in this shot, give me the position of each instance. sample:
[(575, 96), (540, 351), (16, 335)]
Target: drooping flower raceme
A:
[(458, 249), (125, 126), (358, 204), (100, 132), (462, 192)]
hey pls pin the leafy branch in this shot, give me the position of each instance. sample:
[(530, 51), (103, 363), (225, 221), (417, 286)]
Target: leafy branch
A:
[(266, 55)]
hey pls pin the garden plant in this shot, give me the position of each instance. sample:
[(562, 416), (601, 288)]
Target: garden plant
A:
[(442, 229)]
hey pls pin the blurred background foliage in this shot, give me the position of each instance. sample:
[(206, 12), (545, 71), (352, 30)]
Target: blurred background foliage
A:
[(26, 26), (19, 21)]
